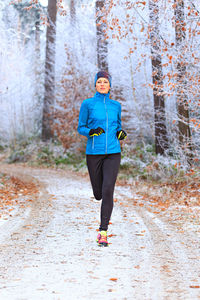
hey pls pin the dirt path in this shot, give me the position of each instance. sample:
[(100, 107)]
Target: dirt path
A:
[(48, 250)]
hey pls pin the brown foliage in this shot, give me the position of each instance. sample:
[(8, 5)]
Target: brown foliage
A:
[(73, 89)]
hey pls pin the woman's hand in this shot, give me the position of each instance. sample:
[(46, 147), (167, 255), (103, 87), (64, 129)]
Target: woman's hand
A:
[(97, 131), (121, 135)]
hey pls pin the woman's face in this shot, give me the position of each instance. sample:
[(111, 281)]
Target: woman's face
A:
[(102, 85)]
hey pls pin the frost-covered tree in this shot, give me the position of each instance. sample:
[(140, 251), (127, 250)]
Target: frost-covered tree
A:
[(102, 44), (21, 70), (72, 12), (181, 90), (161, 136), (49, 93)]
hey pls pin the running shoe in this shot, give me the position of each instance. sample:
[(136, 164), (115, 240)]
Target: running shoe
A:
[(102, 238)]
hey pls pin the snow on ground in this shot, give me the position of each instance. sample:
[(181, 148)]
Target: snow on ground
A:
[(50, 251)]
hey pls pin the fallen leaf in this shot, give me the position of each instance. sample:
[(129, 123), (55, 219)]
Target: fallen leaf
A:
[(140, 234), (137, 267), (113, 279), (111, 235)]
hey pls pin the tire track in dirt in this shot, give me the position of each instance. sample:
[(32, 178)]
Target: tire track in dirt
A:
[(188, 265), (168, 255), (22, 235), (173, 280)]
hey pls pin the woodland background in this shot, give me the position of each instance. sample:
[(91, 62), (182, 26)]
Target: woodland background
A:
[(50, 53)]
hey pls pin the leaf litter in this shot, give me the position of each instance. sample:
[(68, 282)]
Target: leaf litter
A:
[(15, 193)]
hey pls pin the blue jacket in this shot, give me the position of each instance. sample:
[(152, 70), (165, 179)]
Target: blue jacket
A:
[(100, 111)]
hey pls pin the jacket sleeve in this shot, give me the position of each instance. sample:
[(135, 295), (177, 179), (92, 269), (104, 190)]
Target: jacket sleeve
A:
[(119, 119), (83, 120)]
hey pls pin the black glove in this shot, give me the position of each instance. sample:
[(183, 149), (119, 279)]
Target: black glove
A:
[(121, 135), (96, 132)]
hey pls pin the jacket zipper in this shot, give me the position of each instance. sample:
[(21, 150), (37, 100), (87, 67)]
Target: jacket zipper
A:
[(106, 124), (93, 143)]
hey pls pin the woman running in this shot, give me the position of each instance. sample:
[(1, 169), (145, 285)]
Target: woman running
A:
[(100, 122)]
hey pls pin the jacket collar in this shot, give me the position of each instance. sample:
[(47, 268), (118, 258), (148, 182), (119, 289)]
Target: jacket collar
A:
[(101, 96)]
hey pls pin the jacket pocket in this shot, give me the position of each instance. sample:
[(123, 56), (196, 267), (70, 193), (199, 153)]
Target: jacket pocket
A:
[(93, 142)]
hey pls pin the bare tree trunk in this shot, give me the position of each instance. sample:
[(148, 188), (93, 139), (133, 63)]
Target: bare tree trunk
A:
[(49, 93), (102, 44), (37, 74), (72, 12), (37, 42), (182, 99), (161, 137)]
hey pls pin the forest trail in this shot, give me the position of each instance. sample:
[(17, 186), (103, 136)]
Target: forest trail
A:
[(48, 250)]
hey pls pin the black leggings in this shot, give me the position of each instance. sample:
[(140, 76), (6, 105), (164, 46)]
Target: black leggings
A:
[(103, 170)]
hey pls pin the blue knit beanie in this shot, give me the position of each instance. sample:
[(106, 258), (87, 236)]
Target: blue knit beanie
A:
[(103, 74)]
